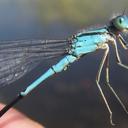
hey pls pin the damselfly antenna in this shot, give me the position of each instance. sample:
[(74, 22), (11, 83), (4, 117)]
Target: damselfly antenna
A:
[(123, 13)]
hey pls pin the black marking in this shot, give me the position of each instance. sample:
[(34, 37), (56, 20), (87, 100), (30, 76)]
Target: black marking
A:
[(91, 33), (112, 28), (10, 105)]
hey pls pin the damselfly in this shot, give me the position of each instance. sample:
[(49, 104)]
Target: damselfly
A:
[(19, 57)]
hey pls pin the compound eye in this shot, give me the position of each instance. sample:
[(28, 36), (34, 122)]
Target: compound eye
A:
[(121, 20)]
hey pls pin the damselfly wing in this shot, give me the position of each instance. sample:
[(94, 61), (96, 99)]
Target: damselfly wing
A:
[(19, 57)]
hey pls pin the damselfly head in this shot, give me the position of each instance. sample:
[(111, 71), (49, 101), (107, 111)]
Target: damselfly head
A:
[(120, 23)]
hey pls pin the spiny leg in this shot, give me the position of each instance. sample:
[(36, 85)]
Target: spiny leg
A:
[(122, 42), (119, 62), (109, 85), (106, 47)]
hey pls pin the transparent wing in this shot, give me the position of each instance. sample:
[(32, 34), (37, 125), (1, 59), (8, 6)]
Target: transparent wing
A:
[(19, 57)]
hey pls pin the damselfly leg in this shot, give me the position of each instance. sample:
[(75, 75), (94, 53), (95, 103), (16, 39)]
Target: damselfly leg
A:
[(106, 47), (107, 75), (111, 88), (119, 62), (122, 42)]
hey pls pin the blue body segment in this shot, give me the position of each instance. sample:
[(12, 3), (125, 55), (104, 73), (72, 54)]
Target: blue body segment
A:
[(62, 65), (83, 43)]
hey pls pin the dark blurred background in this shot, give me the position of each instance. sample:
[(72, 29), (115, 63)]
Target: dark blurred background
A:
[(70, 99)]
